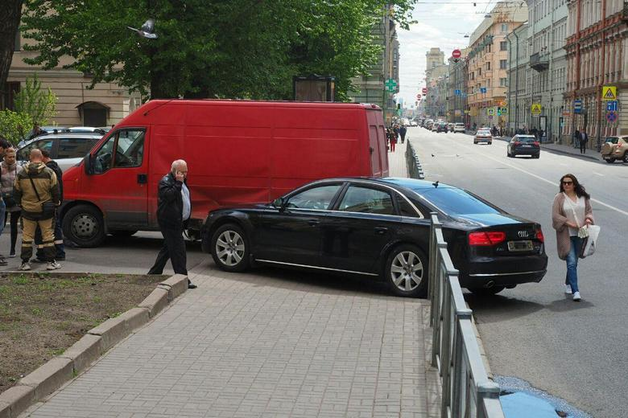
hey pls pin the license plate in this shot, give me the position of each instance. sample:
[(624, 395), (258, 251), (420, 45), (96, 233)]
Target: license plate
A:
[(527, 146), (520, 246)]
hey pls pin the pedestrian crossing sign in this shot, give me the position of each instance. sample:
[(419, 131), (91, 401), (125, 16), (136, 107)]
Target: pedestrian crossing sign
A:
[(609, 93), (536, 109), (490, 111)]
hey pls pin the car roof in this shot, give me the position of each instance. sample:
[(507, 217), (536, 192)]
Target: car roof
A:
[(86, 135)]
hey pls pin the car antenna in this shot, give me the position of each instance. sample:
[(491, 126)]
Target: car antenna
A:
[(435, 184)]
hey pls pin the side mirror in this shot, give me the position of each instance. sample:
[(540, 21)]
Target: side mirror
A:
[(278, 203), (88, 164)]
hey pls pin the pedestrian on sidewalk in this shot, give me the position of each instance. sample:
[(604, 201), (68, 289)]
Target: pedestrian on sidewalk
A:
[(584, 138), (402, 133), (174, 208), (576, 138), (571, 212), (8, 174), (393, 139), (4, 145), (37, 192), (58, 233)]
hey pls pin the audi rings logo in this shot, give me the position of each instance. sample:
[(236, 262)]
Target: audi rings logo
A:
[(522, 234)]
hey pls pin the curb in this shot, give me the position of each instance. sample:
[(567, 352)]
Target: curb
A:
[(49, 377)]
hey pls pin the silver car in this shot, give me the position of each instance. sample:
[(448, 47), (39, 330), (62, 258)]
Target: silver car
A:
[(66, 148)]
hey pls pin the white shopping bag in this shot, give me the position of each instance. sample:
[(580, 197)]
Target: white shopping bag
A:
[(590, 243)]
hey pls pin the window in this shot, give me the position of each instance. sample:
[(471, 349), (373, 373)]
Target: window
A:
[(488, 66), (44, 144), (365, 200), (314, 198), (503, 82), (74, 147), (503, 46), (456, 201), (504, 27), (503, 64), (129, 151), (18, 40), (406, 209)]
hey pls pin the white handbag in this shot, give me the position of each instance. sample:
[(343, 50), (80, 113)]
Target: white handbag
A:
[(590, 243)]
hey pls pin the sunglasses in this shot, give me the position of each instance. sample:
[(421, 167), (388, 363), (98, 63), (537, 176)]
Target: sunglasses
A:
[(567, 182)]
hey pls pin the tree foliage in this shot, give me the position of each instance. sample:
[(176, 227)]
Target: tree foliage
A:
[(10, 15), (14, 126), (39, 104), (210, 48)]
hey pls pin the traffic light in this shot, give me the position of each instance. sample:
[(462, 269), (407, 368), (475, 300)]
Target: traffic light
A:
[(398, 106)]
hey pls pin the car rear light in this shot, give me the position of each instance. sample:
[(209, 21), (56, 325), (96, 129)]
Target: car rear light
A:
[(516, 143), (486, 238), (539, 235), (536, 143)]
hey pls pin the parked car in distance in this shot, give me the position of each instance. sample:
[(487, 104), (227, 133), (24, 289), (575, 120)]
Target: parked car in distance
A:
[(523, 145), (483, 135), (615, 148), (459, 127), (379, 228), (67, 149), (87, 129), (450, 127)]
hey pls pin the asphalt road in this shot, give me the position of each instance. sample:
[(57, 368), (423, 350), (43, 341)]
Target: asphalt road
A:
[(576, 351)]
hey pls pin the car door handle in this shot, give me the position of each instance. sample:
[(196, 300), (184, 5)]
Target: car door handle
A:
[(381, 230), (313, 222), (142, 178)]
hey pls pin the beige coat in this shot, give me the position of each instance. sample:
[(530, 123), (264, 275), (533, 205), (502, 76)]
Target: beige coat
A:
[(559, 219)]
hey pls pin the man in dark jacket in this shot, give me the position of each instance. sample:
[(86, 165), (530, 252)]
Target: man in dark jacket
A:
[(173, 211), (59, 247), (36, 185)]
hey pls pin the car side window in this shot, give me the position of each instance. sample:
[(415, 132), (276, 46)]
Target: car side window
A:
[(74, 147), (130, 148), (104, 156), (367, 200), (314, 198), (44, 144), (406, 209)]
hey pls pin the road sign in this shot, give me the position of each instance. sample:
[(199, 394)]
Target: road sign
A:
[(502, 111), (536, 109), (457, 92), (424, 91), (482, 89), (577, 106), (611, 117), (611, 106), (391, 84), (456, 53), (609, 93), (490, 111)]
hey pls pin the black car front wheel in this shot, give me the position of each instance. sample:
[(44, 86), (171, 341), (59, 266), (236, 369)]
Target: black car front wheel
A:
[(229, 248), (406, 271)]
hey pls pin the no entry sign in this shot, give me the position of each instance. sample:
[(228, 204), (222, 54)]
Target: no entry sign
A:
[(456, 54), (424, 91)]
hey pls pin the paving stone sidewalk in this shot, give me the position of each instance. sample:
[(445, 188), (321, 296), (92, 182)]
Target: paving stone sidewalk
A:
[(266, 343)]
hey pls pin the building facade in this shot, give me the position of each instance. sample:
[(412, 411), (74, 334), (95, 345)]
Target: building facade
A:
[(457, 94), (488, 64), (519, 116), (547, 30), (104, 105), (597, 56), (436, 82), (370, 88)]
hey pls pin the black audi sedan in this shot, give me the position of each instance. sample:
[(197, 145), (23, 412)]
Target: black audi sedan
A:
[(380, 228), (523, 145)]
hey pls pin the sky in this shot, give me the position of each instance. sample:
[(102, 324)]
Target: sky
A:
[(440, 23)]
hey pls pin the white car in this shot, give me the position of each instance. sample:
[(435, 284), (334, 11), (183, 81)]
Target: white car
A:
[(459, 127), (67, 149)]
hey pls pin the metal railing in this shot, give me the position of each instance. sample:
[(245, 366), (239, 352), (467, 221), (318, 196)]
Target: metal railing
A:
[(466, 389), (415, 170)]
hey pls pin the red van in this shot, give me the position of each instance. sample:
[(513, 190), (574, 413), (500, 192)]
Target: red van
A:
[(237, 152)]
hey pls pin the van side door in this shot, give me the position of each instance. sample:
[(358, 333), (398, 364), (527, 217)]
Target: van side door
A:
[(119, 181)]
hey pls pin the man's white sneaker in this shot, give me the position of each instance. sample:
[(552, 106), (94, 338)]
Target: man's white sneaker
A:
[(568, 289), (25, 267), (53, 265), (576, 296)]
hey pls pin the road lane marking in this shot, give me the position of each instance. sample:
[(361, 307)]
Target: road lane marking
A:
[(599, 202), (598, 174)]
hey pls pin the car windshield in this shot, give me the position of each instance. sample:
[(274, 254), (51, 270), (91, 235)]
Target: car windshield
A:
[(525, 139), (453, 201), (484, 132), (460, 124)]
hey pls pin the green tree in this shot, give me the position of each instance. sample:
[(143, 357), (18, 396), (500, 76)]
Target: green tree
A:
[(39, 104), (209, 48), (14, 126), (10, 15)]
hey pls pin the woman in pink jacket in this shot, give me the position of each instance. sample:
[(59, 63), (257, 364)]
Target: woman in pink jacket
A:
[(571, 211)]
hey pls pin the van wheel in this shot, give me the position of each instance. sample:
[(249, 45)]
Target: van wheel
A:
[(230, 248), (84, 225), (123, 233), (406, 271)]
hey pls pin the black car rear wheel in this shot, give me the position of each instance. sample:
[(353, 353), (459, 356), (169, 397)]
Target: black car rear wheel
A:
[(486, 291), (230, 248), (406, 271)]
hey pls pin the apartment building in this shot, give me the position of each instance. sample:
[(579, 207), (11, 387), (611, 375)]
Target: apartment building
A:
[(597, 57)]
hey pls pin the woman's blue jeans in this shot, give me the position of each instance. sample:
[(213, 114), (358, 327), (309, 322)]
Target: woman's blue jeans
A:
[(572, 263)]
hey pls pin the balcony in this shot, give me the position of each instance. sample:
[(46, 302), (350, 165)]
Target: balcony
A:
[(539, 62)]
